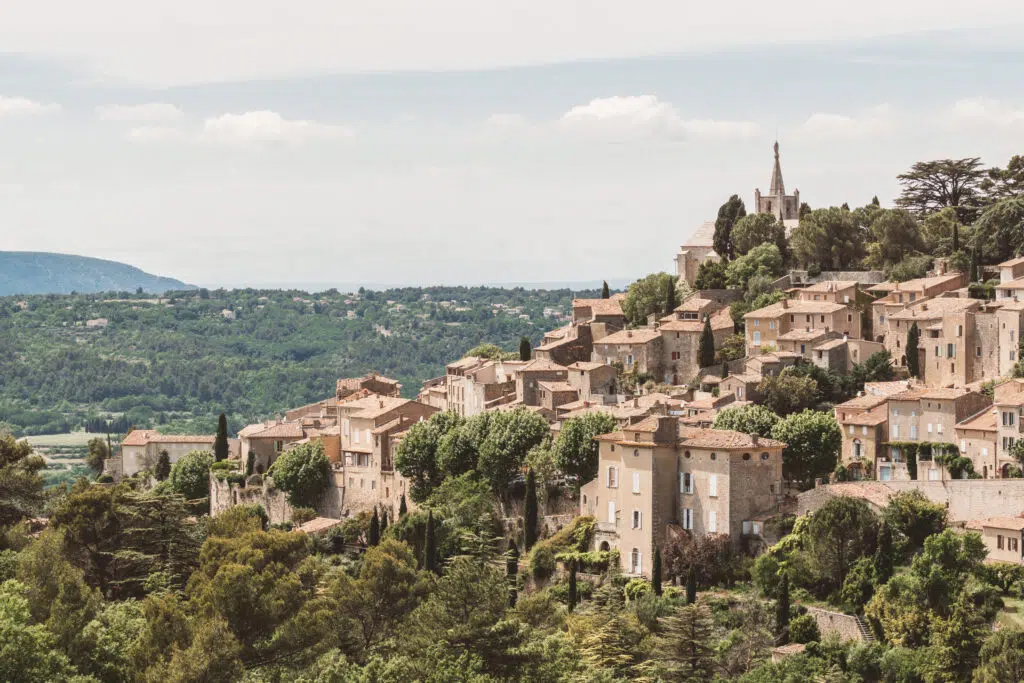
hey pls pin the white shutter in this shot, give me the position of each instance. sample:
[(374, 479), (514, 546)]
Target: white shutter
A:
[(611, 512), (713, 522), (713, 485), (636, 482)]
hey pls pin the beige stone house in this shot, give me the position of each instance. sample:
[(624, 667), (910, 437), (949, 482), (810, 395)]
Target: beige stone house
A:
[(1009, 403), (764, 326), (552, 395), (637, 350), (529, 377), (1010, 325), (895, 296), (681, 333), (141, 449), (570, 343), (372, 382), (977, 437), (742, 385), (864, 424), (1003, 537), (1011, 280), (660, 473), (265, 441), (594, 381), (603, 311), (836, 291), (477, 384)]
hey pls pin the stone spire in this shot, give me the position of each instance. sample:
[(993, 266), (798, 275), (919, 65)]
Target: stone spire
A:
[(777, 188)]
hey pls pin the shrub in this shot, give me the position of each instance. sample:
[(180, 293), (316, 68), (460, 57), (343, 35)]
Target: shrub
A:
[(301, 515), (542, 562), (637, 588), (804, 629), (594, 562), (190, 475), (303, 473), (560, 591), (224, 466), (105, 479)]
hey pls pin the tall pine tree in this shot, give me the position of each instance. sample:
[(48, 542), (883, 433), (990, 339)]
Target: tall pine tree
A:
[(728, 214), (883, 559), (220, 444), (782, 607), (671, 298), (605, 292), (913, 359), (683, 646), (530, 521), (706, 346), (524, 349), (430, 545), (656, 571), (373, 534)]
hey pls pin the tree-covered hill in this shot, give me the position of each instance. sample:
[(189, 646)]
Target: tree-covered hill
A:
[(31, 272), (178, 360)]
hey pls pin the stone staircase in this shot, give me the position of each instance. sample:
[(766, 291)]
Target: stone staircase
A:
[(865, 632)]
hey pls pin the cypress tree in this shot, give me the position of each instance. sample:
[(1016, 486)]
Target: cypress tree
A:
[(530, 511), (913, 361), (572, 585), (725, 369), (524, 349), (706, 346), (671, 300), (691, 586), (656, 571), (874, 201), (402, 507), (220, 444), (782, 606), (512, 571), (383, 521), (373, 535), (250, 463), (883, 559), (429, 545), (974, 264), (163, 466), (956, 236), (605, 292)]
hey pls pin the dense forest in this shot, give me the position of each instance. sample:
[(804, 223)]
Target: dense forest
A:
[(180, 360)]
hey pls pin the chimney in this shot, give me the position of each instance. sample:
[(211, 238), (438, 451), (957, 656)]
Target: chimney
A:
[(629, 333), (785, 303), (755, 438)]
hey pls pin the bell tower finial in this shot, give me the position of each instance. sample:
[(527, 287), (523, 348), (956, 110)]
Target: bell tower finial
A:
[(777, 187)]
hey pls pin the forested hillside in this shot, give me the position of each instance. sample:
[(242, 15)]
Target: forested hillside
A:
[(30, 272), (180, 360)]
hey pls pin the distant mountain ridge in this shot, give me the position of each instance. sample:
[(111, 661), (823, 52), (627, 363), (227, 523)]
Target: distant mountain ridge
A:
[(37, 272)]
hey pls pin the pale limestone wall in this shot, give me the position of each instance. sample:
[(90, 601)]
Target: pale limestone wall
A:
[(871, 439), (845, 626), (224, 495), (980, 447), (966, 499), (991, 536)]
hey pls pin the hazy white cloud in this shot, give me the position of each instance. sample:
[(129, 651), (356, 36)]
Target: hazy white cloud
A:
[(879, 119), (647, 116), (249, 128), (151, 112), (986, 112), (21, 106)]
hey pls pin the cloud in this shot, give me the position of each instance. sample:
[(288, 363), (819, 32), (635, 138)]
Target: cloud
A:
[(879, 119), (647, 116), (985, 111), (252, 128), (144, 113), (20, 106)]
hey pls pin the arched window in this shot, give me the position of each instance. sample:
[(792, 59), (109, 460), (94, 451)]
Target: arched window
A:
[(635, 566)]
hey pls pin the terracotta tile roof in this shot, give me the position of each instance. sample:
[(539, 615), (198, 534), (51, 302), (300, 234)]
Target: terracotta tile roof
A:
[(1012, 262), (829, 345), (631, 337), (745, 377), (922, 283), (694, 304), (587, 366), (141, 437), (886, 388), (354, 383), (983, 421), (318, 524), (720, 320), (803, 335), (712, 402), (254, 428), (557, 387), (912, 394), (611, 306), (285, 430), (1015, 523), (887, 286), (873, 492), (542, 365), (935, 308), (138, 437), (467, 362), (868, 418), (374, 406), (723, 438), (830, 286), (788, 307), (1016, 283), (947, 394), (865, 402)]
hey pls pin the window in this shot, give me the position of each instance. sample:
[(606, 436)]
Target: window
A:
[(637, 519), (279, 446), (864, 430), (613, 477), (849, 317), (929, 427), (851, 430), (950, 350), (999, 541), (746, 528), (685, 482), (1008, 418), (688, 518), (938, 427), (895, 432), (1012, 543), (822, 318), (611, 512), (771, 324), (977, 352), (757, 323), (636, 482), (856, 448), (913, 431), (713, 485), (963, 445), (757, 337), (712, 522), (373, 484), (635, 566)]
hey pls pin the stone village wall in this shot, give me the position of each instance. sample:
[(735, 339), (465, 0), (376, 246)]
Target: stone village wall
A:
[(224, 495)]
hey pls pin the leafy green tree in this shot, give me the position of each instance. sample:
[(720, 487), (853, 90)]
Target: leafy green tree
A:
[(913, 360), (829, 239), (656, 580), (27, 652), (764, 260), (841, 532), (711, 275), (728, 214), (220, 443), (788, 392), (999, 231), (456, 452), (884, 559), (509, 439), (706, 345), (190, 476), (430, 545), (373, 536), (859, 585), (416, 455), (108, 643), (941, 232), (813, 440), (303, 472), (647, 296), (212, 655), (605, 292), (490, 352), (896, 236), (575, 451), (163, 466), (804, 629), (752, 419), (525, 349), (1002, 658), (930, 186), (530, 518), (97, 453), (755, 229), (21, 487), (912, 516)]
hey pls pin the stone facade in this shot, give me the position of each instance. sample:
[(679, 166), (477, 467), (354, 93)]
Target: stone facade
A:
[(636, 350), (764, 326), (141, 449)]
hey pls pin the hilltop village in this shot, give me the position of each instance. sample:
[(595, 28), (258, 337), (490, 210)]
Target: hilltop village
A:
[(924, 367)]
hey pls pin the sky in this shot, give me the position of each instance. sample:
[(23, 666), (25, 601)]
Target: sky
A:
[(316, 144)]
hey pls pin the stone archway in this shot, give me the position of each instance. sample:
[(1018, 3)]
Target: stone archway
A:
[(605, 546)]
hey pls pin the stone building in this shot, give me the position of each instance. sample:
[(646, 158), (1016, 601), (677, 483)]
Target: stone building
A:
[(570, 343), (659, 473), (595, 382), (141, 449), (681, 333), (785, 208), (764, 326), (474, 385), (637, 350), (1009, 403), (529, 377), (372, 382), (977, 437), (864, 424), (895, 296), (1011, 280), (1003, 538)]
